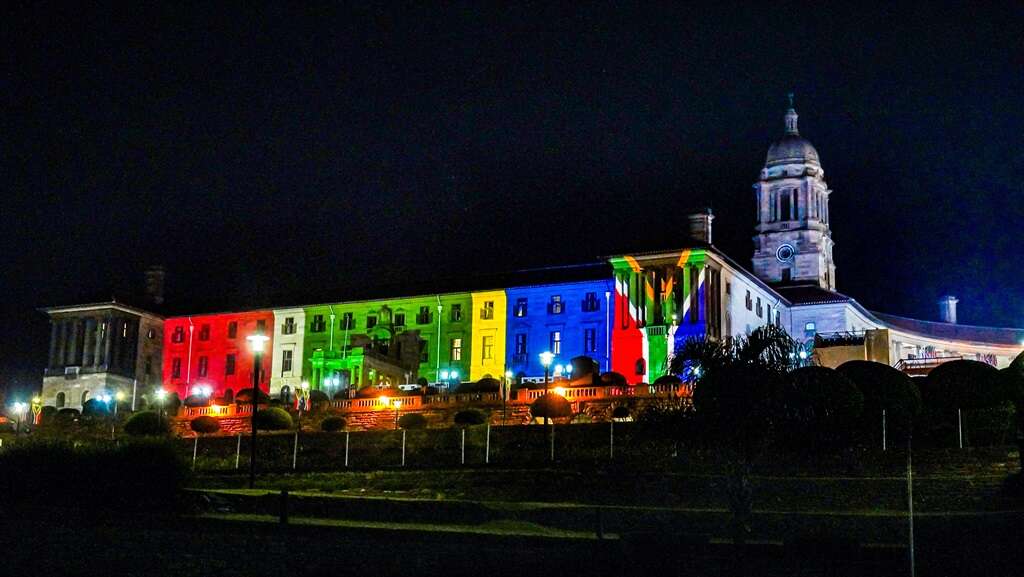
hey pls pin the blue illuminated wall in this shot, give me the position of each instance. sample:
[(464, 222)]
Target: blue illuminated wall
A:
[(580, 314)]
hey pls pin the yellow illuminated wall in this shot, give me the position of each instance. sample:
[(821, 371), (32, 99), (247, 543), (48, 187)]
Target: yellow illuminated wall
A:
[(488, 347)]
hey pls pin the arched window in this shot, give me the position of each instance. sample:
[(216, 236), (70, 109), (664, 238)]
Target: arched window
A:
[(60, 400), (286, 394), (641, 367)]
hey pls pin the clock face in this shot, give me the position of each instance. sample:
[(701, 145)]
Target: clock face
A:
[(785, 253)]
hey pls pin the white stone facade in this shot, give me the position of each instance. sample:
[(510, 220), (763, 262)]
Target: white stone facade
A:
[(289, 332)]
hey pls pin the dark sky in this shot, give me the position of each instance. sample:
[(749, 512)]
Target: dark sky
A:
[(257, 153)]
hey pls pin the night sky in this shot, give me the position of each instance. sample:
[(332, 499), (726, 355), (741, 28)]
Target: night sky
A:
[(256, 154)]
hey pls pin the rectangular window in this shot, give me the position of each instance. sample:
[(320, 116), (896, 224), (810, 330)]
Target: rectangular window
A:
[(810, 327), (750, 302), (232, 330), (520, 343), (760, 310), (399, 319), (488, 348), (176, 368), (456, 349), (456, 313), (487, 312), (555, 305), (371, 321), (694, 305), (556, 342), (424, 317), (204, 332), (590, 303), (204, 364), (520, 310), (178, 336), (424, 351), (317, 326), (288, 328), (590, 340), (229, 365), (261, 327), (286, 362)]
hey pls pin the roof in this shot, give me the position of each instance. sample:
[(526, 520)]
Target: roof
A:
[(808, 294), (953, 332), (111, 304)]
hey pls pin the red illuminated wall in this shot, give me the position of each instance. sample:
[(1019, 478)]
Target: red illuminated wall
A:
[(627, 340), (192, 345)]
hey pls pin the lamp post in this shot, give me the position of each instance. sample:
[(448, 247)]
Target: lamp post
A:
[(161, 394), (545, 359), (19, 410), (256, 342), (505, 394), (397, 404)]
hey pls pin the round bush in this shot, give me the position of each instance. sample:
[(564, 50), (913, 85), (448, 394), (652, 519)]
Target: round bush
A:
[(332, 424), (318, 397), (94, 408), (819, 406), (412, 421), (620, 412), (244, 396), (146, 423), (963, 384), (273, 419), (470, 417), (613, 379), (47, 415), (205, 424), (551, 406), (197, 401)]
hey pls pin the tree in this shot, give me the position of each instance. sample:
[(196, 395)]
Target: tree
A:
[(1013, 384), (886, 389), (736, 382), (975, 389), (818, 408), (551, 406), (412, 421), (205, 425)]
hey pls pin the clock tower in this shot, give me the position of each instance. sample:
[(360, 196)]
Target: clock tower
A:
[(793, 244)]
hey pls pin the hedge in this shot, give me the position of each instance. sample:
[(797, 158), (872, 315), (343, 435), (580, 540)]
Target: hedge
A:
[(146, 423), (273, 419)]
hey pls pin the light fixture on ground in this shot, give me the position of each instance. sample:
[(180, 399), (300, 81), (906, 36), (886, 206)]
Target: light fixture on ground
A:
[(256, 342)]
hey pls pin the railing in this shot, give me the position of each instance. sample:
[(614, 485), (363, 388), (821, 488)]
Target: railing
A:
[(923, 365)]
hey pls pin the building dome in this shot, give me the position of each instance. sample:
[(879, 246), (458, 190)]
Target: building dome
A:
[(792, 148)]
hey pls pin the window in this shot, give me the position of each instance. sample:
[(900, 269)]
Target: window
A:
[(487, 313), (229, 365), (176, 368), (371, 321), (456, 314), (204, 332), (589, 340), (520, 343), (787, 275), (456, 349), (760, 310), (641, 367), (590, 303), (261, 327), (178, 336), (810, 327), (488, 348), (424, 351), (60, 400), (286, 362), (317, 326), (399, 319), (204, 364), (424, 317), (151, 334), (289, 326), (556, 342), (728, 288), (750, 302), (520, 310), (785, 212), (555, 305), (232, 330)]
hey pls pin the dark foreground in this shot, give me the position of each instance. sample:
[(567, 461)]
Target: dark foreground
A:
[(954, 545)]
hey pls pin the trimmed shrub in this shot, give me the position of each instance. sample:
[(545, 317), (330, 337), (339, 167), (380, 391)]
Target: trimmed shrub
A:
[(244, 396), (332, 424), (818, 406), (470, 417), (197, 401), (342, 394), (47, 415), (613, 379), (94, 408), (963, 384), (620, 412), (273, 419), (205, 424), (146, 423), (412, 421), (884, 388), (551, 406)]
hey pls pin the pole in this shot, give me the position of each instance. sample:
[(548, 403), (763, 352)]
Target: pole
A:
[(910, 502), (257, 363), (552, 441), (238, 451), (135, 388), (195, 451), (403, 447), (487, 450), (611, 440), (463, 457), (346, 449), (883, 430), (960, 428), (295, 451)]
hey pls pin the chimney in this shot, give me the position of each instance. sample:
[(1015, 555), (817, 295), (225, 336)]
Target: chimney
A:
[(700, 226), (155, 284), (947, 309)]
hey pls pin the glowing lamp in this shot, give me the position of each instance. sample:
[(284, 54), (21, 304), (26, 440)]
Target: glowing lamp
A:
[(803, 355), (161, 394), (396, 403), (444, 375), (36, 400), (257, 341), (455, 374), (304, 385), (119, 396), (508, 375), (560, 391), (384, 400), (546, 358), (19, 407)]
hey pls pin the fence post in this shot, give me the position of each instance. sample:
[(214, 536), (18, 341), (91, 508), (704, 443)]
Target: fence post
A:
[(552, 441), (295, 451), (960, 428), (463, 457), (346, 449), (611, 440), (238, 450), (487, 450), (195, 450), (883, 430), (403, 447)]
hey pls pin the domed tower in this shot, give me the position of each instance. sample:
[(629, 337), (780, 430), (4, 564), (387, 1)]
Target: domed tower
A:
[(793, 243)]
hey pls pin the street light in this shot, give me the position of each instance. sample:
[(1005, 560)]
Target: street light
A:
[(256, 343), (19, 410), (161, 394), (397, 404), (505, 394), (546, 359)]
